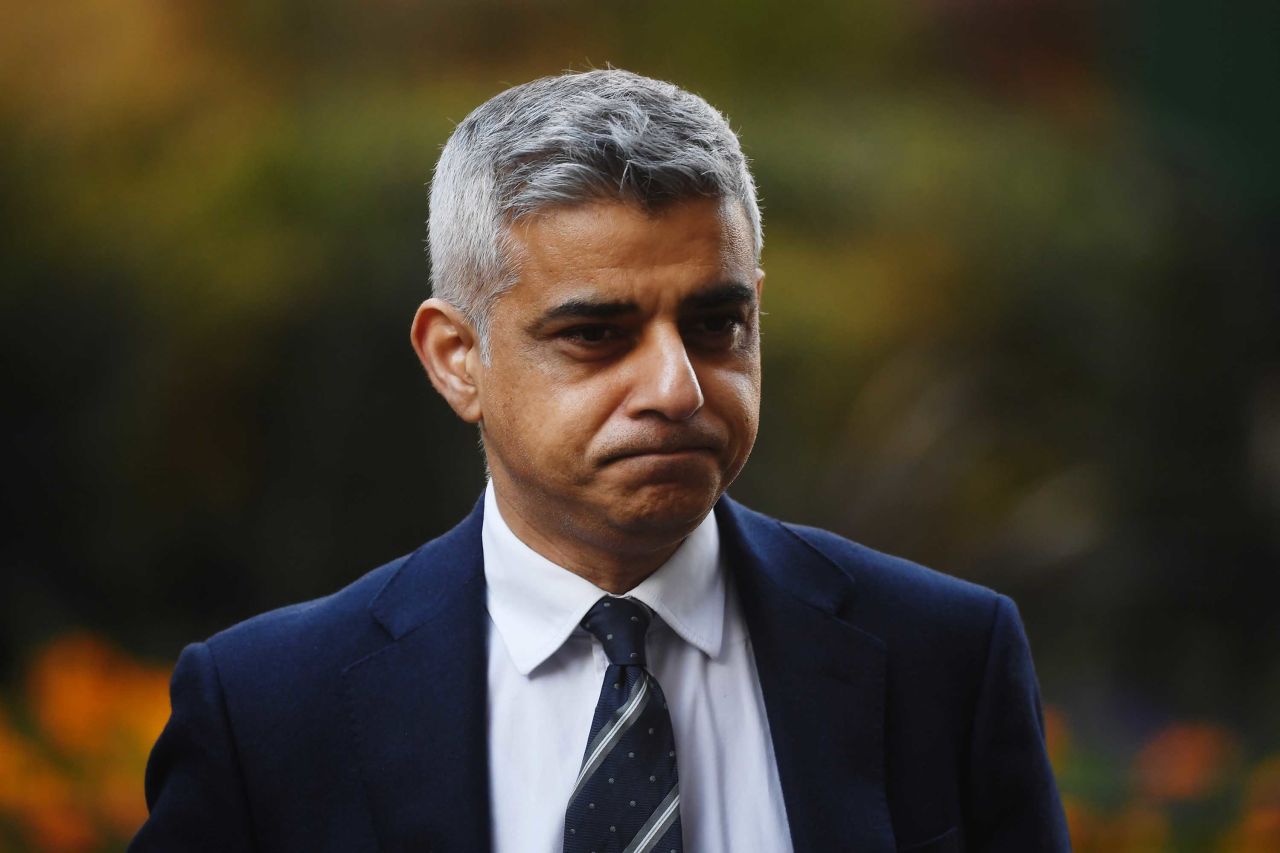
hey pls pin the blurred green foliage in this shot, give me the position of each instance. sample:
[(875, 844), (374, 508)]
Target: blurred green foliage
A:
[(1021, 296)]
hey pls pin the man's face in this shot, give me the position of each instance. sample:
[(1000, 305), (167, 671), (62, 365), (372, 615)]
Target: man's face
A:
[(622, 393)]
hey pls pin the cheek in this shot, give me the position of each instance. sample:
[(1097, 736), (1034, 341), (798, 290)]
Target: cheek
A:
[(737, 401), (511, 411), (544, 417)]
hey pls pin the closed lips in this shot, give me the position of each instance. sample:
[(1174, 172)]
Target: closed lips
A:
[(660, 450)]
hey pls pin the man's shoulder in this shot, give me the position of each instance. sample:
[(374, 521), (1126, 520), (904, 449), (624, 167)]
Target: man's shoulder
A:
[(890, 592), (887, 573), (360, 618), (335, 626)]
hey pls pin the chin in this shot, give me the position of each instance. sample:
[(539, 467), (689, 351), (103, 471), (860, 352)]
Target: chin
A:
[(665, 509)]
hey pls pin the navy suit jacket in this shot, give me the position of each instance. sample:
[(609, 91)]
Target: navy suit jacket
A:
[(902, 704)]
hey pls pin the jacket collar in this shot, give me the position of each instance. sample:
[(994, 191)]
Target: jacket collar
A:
[(428, 583)]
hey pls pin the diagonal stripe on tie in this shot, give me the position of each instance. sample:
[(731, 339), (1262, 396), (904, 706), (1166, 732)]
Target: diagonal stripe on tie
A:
[(653, 830), (623, 719)]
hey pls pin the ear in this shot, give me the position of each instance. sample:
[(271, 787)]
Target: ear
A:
[(759, 284), (449, 351)]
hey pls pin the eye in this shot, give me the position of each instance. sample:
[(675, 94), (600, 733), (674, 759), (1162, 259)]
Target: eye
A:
[(594, 334), (715, 326), (719, 325)]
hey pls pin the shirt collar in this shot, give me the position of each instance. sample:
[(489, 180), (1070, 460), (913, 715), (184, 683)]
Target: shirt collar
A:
[(535, 604)]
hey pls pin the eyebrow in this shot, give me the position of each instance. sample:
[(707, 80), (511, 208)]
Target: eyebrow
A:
[(713, 296), (588, 309), (723, 294)]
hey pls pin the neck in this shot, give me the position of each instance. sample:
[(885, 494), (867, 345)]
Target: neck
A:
[(616, 564)]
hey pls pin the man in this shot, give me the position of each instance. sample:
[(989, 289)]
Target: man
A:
[(608, 653)]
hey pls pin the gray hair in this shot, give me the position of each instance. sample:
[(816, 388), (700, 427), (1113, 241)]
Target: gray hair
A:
[(574, 138)]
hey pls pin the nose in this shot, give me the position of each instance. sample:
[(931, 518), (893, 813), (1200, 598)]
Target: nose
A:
[(664, 381)]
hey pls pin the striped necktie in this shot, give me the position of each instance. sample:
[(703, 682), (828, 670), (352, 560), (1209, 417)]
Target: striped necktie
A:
[(627, 795)]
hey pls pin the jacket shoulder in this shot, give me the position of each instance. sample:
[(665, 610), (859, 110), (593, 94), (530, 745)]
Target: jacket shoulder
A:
[(888, 573), (897, 598), (336, 627)]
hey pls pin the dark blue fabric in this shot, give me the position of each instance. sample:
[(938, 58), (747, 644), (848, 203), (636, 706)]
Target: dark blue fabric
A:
[(902, 705), (632, 777), (620, 624)]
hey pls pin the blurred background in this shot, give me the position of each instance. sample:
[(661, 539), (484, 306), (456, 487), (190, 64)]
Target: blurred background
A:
[(1022, 326)]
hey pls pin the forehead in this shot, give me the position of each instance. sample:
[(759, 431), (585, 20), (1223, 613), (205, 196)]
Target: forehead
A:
[(618, 246)]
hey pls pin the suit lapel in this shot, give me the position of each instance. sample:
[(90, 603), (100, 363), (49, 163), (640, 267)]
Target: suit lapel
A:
[(419, 704), (823, 682)]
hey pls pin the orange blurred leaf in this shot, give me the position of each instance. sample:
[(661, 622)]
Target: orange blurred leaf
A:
[(1184, 761)]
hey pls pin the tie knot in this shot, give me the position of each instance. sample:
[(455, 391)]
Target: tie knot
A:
[(619, 624)]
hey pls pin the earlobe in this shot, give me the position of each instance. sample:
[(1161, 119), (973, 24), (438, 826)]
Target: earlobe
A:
[(447, 346)]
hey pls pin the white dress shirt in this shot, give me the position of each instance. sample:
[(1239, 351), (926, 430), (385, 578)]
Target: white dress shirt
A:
[(545, 674)]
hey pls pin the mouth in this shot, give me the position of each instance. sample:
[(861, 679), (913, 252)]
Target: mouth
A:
[(662, 453)]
